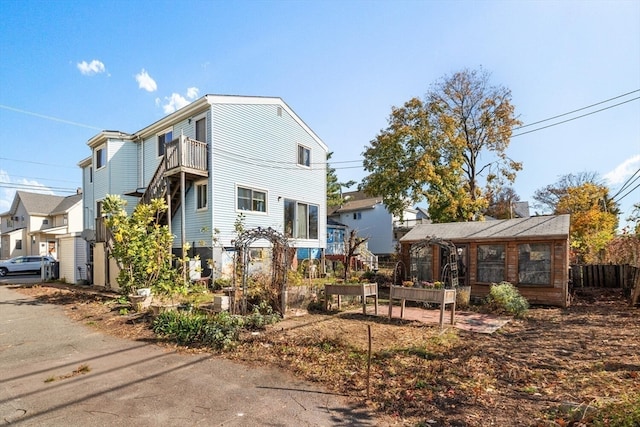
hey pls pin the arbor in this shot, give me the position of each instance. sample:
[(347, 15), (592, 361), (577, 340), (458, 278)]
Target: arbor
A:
[(432, 149), (594, 215)]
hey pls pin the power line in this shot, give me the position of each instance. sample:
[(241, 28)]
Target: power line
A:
[(16, 186), (627, 193), (55, 119), (38, 163), (574, 118), (575, 111), (627, 183)]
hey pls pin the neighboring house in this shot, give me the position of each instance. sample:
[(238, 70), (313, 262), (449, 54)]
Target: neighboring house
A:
[(371, 219), (216, 161), (43, 224), (531, 253)]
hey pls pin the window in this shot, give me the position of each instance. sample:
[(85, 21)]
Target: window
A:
[(19, 244), (357, 215), (45, 222), (251, 200), (300, 220), (491, 259), (164, 138), (201, 130), (201, 196), (534, 264), (304, 156), (101, 158)]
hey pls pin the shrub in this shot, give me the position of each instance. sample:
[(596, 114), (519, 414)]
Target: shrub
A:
[(504, 297), (219, 331)]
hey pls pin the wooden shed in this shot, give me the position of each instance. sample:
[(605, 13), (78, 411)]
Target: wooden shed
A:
[(531, 253)]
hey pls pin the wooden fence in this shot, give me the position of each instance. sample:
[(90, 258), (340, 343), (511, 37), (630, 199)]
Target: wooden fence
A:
[(604, 276)]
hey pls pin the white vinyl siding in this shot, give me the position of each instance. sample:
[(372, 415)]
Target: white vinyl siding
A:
[(253, 147)]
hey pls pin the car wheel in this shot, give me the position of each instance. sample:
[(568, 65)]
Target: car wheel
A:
[(3, 272)]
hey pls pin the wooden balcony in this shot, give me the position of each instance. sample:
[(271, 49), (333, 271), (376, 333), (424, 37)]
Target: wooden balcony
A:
[(186, 155)]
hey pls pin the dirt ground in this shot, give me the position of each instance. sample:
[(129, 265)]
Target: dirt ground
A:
[(555, 367)]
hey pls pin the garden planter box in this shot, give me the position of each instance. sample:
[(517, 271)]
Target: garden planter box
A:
[(435, 296), (355, 289)]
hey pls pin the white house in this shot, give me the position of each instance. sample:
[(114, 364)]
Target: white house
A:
[(43, 224), (371, 219), (217, 160)]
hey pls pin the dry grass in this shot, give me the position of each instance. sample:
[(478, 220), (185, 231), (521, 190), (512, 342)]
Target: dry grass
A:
[(562, 367)]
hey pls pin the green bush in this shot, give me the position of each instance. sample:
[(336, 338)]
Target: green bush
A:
[(219, 331), (504, 297)]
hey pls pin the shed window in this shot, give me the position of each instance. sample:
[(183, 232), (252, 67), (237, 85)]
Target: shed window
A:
[(491, 260), (534, 264), (422, 263)]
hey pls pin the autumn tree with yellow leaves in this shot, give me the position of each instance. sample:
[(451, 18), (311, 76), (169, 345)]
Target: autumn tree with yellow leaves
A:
[(433, 147)]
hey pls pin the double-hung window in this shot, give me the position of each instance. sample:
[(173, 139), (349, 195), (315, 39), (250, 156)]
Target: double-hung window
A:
[(101, 157), (201, 195), (300, 220), (304, 156), (250, 199), (164, 138)]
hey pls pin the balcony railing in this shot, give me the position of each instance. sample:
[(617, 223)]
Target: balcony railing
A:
[(409, 223), (186, 155)]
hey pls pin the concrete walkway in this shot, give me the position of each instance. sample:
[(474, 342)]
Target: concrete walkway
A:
[(135, 383)]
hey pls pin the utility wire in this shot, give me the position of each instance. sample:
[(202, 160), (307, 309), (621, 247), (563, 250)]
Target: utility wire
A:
[(627, 183), (627, 193), (574, 118), (42, 116), (38, 163), (575, 111)]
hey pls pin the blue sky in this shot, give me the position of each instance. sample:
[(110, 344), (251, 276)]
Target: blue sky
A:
[(69, 69)]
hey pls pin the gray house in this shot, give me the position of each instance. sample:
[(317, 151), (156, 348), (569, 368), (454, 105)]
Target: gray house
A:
[(215, 161)]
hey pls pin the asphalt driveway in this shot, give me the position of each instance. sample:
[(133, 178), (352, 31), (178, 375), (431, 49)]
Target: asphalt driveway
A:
[(118, 382)]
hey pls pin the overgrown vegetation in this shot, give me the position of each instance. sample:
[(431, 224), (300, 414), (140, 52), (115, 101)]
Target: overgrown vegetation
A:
[(216, 331), (504, 297), (141, 246)]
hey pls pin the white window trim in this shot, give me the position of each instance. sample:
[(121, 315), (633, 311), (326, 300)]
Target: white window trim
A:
[(206, 207), (297, 154), (158, 135), (104, 150), (251, 187), (194, 119)]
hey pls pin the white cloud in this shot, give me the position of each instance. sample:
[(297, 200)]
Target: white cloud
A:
[(192, 92), (8, 193), (623, 171), (177, 101), (91, 68), (146, 82)]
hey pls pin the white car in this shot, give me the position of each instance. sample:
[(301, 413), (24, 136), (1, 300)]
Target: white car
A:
[(24, 264)]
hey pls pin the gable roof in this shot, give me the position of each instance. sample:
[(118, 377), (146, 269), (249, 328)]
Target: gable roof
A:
[(556, 226), (355, 201), (43, 204)]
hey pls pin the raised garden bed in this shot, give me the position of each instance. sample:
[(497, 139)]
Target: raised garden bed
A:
[(355, 289), (434, 296)]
